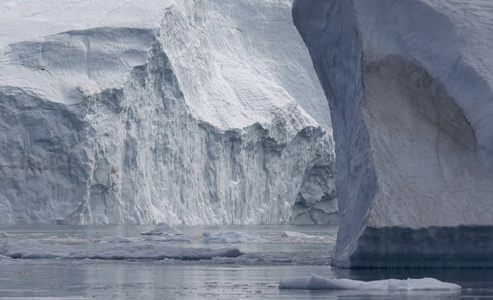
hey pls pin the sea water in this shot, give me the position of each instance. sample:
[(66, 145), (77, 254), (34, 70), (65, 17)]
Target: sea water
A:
[(272, 257)]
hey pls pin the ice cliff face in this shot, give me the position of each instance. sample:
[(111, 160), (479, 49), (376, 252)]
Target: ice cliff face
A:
[(149, 111), (410, 87)]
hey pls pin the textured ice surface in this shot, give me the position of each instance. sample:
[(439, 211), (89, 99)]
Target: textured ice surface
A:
[(163, 229), (149, 111), (230, 237), (115, 240), (127, 250), (279, 258), (297, 235), (409, 84), (315, 282), (167, 240)]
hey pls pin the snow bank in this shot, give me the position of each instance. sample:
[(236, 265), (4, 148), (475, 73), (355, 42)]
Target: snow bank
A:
[(142, 111), (315, 282), (230, 237), (410, 85)]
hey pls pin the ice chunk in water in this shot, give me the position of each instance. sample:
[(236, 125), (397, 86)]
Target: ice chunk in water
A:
[(315, 282)]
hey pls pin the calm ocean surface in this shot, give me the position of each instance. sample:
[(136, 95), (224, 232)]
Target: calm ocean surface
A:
[(60, 278)]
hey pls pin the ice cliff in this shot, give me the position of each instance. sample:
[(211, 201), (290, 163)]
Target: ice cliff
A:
[(409, 85), (139, 112)]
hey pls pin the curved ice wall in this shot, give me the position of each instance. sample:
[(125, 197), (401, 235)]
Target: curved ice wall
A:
[(409, 85), (178, 111)]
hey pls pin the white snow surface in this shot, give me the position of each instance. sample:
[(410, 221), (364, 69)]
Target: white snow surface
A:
[(138, 112), (410, 86), (315, 282)]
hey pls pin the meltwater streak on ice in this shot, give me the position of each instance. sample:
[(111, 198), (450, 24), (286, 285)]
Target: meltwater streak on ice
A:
[(152, 111)]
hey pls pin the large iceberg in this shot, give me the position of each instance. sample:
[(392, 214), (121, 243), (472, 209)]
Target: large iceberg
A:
[(140, 112), (409, 85)]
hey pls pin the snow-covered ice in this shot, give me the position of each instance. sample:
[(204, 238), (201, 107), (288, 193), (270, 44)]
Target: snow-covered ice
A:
[(230, 237), (279, 258), (298, 235), (247, 259), (167, 240), (261, 245), (139, 112), (315, 282), (410, 86), (163, 229), (115, 239), (125, 251)]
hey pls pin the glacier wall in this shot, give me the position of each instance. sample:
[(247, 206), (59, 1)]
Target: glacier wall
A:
[(175, 111), (409, 86)]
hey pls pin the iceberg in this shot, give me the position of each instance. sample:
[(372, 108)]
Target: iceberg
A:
[(409, 84), (140, 112)]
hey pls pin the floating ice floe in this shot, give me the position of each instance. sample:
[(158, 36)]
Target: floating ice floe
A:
[(115, 239), (107, 251), (243, 259), (163, 228), (299, 235), (230, 237), (315, 282), (279, 258), (167, 240), (4, 258), (3, 234)]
